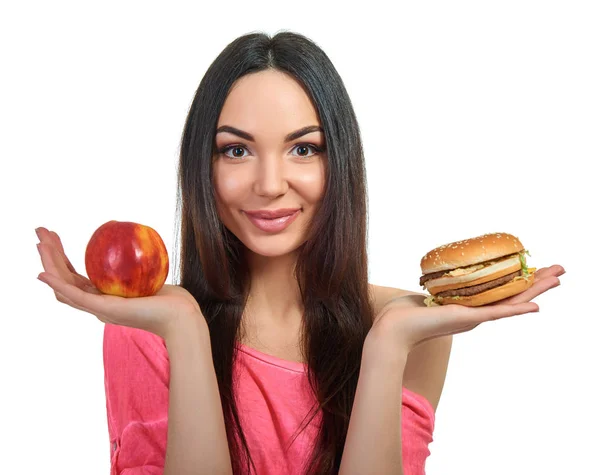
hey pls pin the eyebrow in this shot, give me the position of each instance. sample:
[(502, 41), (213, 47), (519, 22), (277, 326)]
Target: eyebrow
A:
[(288, 138)]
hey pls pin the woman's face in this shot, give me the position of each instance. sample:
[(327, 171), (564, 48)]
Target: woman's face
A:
[(268, 171)]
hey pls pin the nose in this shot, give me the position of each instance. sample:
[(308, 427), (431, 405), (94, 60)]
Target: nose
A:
[(270, 180)]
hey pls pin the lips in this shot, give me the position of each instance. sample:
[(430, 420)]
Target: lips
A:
[(272, 214), (273, 225)]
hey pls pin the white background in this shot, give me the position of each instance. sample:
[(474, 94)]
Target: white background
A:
[(476, 117)]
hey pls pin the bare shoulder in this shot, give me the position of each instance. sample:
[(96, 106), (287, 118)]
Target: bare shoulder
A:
[(382, 295), (427, 365)]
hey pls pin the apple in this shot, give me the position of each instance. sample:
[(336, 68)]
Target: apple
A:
[(126, 259)]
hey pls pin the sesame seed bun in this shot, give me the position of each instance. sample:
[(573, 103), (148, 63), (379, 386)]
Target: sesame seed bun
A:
[(470, 251)]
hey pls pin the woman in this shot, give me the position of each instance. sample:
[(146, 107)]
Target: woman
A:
[(274, 354)]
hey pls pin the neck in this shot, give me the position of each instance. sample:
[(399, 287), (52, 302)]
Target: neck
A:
[(274, 292)]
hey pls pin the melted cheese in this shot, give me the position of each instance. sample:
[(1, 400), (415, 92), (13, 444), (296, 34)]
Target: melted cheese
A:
[(473, 272), (465, 270)]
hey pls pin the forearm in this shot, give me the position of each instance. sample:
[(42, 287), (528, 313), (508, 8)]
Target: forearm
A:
[(374, 440), (196, 438)]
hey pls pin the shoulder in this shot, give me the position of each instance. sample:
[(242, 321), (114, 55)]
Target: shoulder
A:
[(382, 295), (427, 364)]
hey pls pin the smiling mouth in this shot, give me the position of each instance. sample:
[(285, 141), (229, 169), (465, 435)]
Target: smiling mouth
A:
[(272, 225)]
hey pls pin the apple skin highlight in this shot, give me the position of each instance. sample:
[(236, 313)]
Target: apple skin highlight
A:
[(126, 259)]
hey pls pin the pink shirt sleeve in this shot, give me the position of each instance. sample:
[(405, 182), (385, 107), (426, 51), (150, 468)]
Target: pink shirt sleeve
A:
[(418, 423), (136, 382)]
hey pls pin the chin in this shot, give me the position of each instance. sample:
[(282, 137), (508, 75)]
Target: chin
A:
[(272, 249)]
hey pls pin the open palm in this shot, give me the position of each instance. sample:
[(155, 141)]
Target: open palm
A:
[(157, 313), (414, 323)]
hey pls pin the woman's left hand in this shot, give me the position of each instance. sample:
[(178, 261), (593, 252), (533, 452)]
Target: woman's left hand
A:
[(545, 279), (409, 322)]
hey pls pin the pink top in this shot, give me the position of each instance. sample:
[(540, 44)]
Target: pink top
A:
[(273, 398)]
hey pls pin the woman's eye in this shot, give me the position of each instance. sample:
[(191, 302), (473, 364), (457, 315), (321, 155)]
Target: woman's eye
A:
[(307, 147), (237, 151)]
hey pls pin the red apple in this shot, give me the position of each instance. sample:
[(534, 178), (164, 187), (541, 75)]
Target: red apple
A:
[(126, 259)]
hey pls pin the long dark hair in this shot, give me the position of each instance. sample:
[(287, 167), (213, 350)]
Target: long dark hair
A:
[(331, 268)]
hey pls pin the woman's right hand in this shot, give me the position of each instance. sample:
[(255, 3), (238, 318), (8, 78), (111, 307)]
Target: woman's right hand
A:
[(158, 313)]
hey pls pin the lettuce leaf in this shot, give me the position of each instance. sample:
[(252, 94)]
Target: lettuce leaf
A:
[(524, 267), (527, 271), (430, 301)]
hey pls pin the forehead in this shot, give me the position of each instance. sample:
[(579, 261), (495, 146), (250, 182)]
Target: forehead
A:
[(268, 102)]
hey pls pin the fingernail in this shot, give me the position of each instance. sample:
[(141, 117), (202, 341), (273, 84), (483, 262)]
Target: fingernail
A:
[(37, 232)]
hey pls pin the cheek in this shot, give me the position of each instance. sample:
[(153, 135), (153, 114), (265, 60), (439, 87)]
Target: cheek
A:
[(312, 183), (230, 186)]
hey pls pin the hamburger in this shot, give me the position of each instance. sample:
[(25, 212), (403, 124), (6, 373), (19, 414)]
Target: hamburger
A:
[(476, 271)]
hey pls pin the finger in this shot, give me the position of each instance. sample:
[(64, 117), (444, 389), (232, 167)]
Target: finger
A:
[(81, 281), (54, 262), (61, 298), (466, 316), (50, 266), (120, 309), (48, 262), (60, 247), (453, 318), (538, 288), (552, 271), (46, 250), (85, 301), (510, 310)]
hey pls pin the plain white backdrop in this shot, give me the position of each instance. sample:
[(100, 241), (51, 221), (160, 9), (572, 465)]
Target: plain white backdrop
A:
[(476, 117)]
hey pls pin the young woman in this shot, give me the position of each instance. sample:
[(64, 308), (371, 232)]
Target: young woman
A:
[(273, 355)]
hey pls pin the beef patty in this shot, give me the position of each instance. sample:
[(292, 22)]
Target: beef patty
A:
[(477, 289), (433, 275)]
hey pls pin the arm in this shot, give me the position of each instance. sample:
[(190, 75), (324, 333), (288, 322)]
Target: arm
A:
[(426, 369), (154, 386), (197, 441), (427, 364), (374, 444)]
